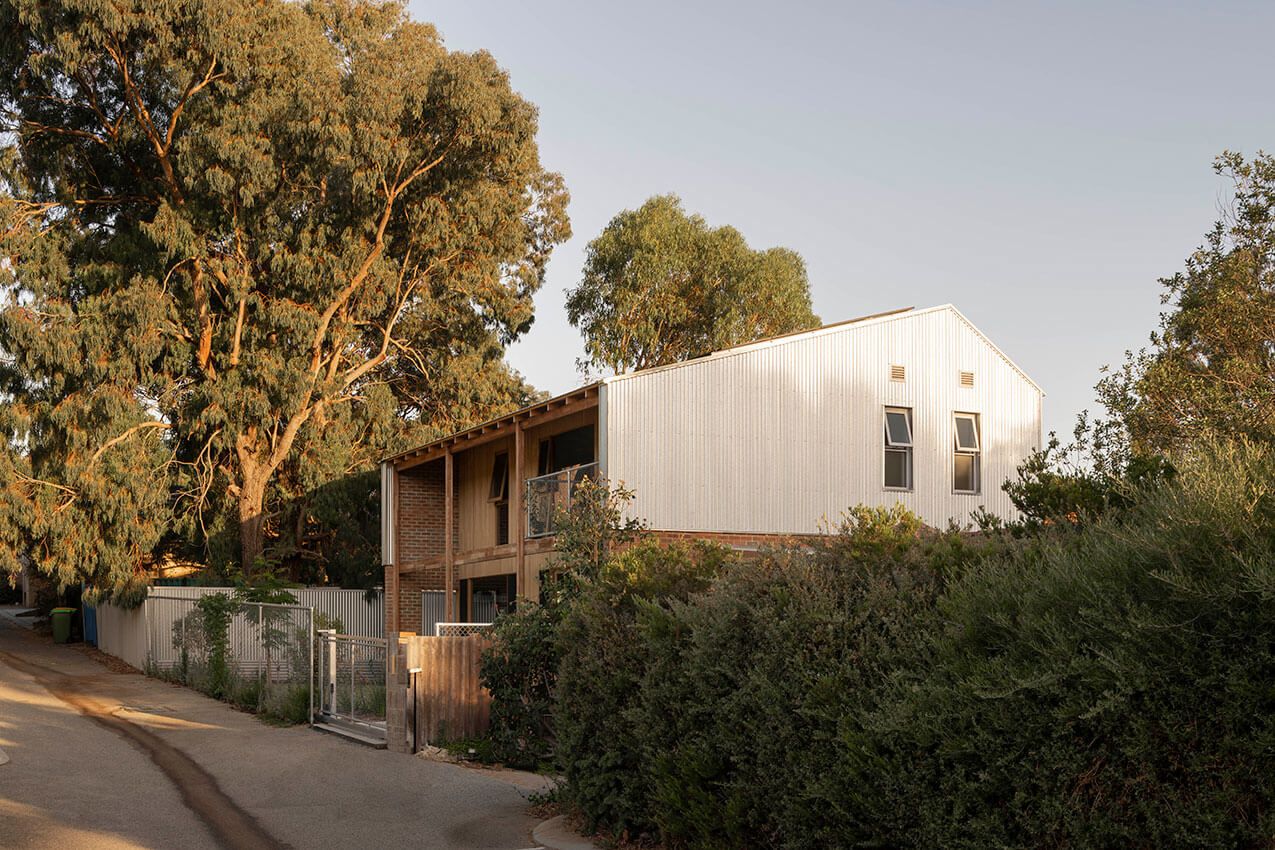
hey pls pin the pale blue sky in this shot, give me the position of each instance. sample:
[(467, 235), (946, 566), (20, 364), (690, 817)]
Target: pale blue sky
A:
[(1037, 165)]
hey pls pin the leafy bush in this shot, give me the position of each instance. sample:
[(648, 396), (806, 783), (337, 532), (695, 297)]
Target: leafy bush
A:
[(1100, 684), (519, 670), (604, 661), (757, 681), (216, 610), (1111, 688)]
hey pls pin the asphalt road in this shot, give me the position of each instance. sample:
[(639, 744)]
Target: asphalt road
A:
[(112, 760)]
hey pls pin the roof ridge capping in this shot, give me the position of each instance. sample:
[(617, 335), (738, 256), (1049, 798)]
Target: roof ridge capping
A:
[(765, 341)]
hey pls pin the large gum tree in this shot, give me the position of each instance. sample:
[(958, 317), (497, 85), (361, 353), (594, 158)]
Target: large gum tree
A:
[(237, 238)]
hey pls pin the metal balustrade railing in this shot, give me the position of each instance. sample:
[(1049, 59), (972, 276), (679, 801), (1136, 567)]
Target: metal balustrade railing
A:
[(547, 495)]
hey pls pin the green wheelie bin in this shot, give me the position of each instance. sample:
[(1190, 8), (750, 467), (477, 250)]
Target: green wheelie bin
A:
[(62, 624)]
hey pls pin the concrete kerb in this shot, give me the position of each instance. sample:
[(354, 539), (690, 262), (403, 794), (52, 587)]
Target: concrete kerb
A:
[(555, 834), (19, 616)]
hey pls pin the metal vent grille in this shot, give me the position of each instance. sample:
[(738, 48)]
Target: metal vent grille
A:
[(897, 372), (967, 379)]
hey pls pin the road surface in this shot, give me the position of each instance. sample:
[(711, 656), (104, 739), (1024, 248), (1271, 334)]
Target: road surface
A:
[(98, 759)]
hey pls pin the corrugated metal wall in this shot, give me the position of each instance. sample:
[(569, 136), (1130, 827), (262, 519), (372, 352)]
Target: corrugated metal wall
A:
[(780, 436), (358, 615), (389, 499)]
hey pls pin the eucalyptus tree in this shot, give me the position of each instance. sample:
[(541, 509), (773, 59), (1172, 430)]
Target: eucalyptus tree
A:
[(660, 286), (1210, 369), (240, 241)]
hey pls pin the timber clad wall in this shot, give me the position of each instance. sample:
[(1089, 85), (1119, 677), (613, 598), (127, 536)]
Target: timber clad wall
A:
[(450, 701)]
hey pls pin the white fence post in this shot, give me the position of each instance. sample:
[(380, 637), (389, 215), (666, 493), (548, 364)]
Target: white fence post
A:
[(310, 661)]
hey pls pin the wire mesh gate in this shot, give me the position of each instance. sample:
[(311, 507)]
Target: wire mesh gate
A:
[(254, 654), (351, 675)]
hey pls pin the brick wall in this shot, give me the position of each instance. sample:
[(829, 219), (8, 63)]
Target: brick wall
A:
[(420, 541), (741, 541), (420, 514), (409, 594)]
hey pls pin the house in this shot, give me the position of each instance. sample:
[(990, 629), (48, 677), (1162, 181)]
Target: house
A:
[(747, 446)]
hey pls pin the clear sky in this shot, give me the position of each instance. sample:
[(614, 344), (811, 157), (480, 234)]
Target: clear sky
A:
[(1038, 165)]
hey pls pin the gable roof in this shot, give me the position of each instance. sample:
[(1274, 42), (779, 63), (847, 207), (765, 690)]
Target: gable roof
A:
[(584, 392), (835, 327)]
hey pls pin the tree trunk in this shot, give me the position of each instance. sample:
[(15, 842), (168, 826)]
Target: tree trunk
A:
[(252, 529)]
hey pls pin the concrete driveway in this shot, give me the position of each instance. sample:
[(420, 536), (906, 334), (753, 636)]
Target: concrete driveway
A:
[(116, 760)]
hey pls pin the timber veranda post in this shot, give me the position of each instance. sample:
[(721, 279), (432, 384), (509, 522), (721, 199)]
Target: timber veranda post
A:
[(519, 512), (449, 559)]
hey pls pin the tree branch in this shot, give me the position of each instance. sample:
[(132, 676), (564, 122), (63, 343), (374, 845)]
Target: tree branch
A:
[(142, 426)]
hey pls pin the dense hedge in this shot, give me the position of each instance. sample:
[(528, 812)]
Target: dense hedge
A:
[(520, 671), (1114, 688), (600, 749), (1108, 684)]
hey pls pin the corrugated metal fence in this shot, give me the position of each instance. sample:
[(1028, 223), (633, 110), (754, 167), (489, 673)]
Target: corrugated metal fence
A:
[(266, 660), (127, 634), (357, 615)]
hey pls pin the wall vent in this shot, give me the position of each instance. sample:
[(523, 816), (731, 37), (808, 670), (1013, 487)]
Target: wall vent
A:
[(897, 372), (967, 379)]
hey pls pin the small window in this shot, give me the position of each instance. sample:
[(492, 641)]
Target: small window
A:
[(499, 478), (966, 432), (502, 523), (898, 448), (967, 380), (898, 427), (897, 372), (967, 451)]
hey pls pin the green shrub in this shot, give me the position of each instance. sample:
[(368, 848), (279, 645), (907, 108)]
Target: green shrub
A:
[(754, 684), (520, 670), (604, 660), (1106, 684), (1113, 688), (216, 610)]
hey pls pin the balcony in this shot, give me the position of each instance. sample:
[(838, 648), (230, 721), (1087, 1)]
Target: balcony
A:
[(549, 494)]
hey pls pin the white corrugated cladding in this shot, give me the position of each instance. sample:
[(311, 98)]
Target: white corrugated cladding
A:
[(359, 615), (388, 481), (781, 436)]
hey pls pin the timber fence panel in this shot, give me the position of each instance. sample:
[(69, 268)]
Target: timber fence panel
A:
[(450, 702)]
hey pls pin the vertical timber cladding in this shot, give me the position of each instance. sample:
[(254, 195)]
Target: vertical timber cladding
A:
[(450, 701), (517, 513), (449, 542), (777, 436)]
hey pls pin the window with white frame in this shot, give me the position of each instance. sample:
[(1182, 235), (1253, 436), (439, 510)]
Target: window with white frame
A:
[(898, 448), (967, 451)]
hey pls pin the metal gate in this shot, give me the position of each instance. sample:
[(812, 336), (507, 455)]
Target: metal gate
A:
[(351, 676)]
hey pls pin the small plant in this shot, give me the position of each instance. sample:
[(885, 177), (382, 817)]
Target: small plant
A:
[(216, 610), (472, 749)]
